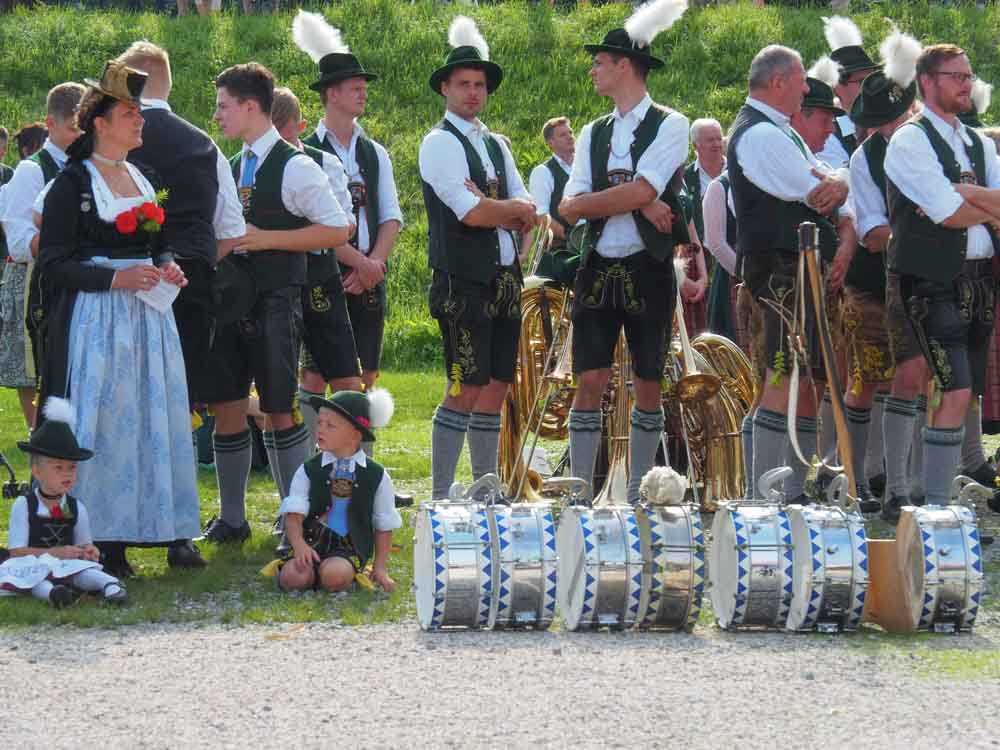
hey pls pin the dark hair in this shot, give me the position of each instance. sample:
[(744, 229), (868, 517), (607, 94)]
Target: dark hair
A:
[(94, 104), (30, 138), (933, 57), (641, 69), (249, 81)]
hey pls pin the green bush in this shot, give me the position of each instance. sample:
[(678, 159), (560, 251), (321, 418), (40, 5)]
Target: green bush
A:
[(708, 54)]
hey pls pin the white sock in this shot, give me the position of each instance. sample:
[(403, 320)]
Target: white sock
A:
[(95, 580)]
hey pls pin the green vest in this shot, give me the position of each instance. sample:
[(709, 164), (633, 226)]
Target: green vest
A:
[(559, 180), (272, 269), (918, 246), (692, 179), (470, 253), (867, 269), (48, 164), (361, 507), (367, 158), (657, 244)]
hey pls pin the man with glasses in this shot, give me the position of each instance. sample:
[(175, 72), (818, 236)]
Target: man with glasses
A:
[(942, 197)]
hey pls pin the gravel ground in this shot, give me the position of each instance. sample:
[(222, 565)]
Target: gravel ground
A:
[(395, 686)]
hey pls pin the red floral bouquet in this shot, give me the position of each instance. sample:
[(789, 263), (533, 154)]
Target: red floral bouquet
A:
[(148, 217)]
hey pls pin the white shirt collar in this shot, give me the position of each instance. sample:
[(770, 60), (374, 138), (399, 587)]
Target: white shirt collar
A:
[(567, 167), (155, 104), (637, 112), (467, 127), (779, 118), (263, 145), (946, 130), (322, 131), (42, 507), (57, 153), (358, 458)]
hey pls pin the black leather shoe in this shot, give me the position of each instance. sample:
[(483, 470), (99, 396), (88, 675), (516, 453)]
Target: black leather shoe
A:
[(404, 501), (985, 474), (184, 554), (877, 485), (61, 596), (892, 506), (219, 532), (114, 562), (867, 503)]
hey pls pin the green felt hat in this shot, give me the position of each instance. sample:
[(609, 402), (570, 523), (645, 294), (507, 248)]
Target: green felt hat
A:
[(366, 411), (467, 56), (54, 436), (339, 66), (820, 96), (618, 41), (852, 59), (881, 101)]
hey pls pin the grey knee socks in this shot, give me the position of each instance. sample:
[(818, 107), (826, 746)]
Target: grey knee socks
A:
[(584, 443), (875, 451), (447, 438), (942, 450), (233, 455), (859, 428), (805, 428), (291, 448), (643, 440), (746, 434), (769, 436), (972, 445), (897, 427), (309, 416), (484, 438)]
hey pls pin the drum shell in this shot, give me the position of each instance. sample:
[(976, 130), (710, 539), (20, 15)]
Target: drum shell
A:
[(673, 573), (524, 571)]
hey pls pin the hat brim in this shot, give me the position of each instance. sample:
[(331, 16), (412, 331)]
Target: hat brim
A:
[(97, 85), (332, 78), (652, 62), (806, 104), (318, 402), (82, 454), (869, 119), (494, 73)]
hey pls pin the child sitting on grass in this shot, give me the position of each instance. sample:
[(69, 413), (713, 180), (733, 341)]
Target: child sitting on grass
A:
[(340, 509), (52, 554)]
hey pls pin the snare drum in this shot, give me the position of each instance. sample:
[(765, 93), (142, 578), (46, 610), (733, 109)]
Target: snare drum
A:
[(830, 569), (942, 566), (524, 551), (751, 566), (673, 578)]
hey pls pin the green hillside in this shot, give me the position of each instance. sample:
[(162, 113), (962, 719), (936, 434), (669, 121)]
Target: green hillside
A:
[(708, 54)]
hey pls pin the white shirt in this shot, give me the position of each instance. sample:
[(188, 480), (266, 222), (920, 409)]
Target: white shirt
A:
[(18, 531), (869, 202), (714, 206), (913, 167), (704, 178), (385, 517), (19, 198), (305, 188), (228, 220), (772, 159), (444, 167), (833, 152), (388, 198), (657, 165), (541, 184)]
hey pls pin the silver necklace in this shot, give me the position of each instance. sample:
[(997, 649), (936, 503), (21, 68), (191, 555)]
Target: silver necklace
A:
[(120, 163)]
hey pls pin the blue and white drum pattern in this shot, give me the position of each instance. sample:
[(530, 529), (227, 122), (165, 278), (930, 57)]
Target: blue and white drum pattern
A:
[(673, 578), (830, 568), (942, 562), (525, 561), (751, 566)]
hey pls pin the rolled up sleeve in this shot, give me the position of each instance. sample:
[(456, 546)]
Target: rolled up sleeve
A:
[(298, 494), (306, 192), (388, 196), (385, 517), (580, 181), (773, 162), (667, 152), (914, 169), (19, 198), (540, 185)]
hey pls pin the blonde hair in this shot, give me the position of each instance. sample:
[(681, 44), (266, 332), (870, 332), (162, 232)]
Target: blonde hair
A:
[(143, 55), (286, 107), (550, 125)]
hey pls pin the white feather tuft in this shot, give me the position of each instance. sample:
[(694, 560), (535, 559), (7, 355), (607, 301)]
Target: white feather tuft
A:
[(899, 54), (380, 407), (841, 32), (680, 270), (653, 17), (60, 410), (982, 92), (463, 32), (314, 36), (826, 70), (663, 486)]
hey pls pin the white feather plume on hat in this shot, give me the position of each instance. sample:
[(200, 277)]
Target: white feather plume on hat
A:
[(899, 54), (380, 407), (982, 93), (314, 36), (653, 17), (826, 70), (60, 410), (841, 32), (463, 32)]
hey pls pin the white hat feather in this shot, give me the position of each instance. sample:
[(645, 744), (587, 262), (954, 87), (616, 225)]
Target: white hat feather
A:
[(463, 32), (663, 486), (60, 410), (380, 407), (653, 17), (841, 32), (314, 36), (826, 70), (899, 55), (982, 93), (680, 270)]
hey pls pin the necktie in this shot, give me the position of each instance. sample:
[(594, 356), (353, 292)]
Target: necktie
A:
[(249, 167)]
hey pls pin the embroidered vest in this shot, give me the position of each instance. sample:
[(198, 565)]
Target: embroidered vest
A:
[(263, 207), (867, 269), (470, 253), (359, 511), (50, 532), (918, 246)]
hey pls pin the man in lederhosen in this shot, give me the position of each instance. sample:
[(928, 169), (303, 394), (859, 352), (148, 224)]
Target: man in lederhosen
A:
[(942, 190), (476, 204), (777, 183), (343, 89), (290, 211), (620, 184)]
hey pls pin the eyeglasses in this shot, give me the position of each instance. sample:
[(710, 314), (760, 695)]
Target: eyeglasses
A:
[(958, 77)]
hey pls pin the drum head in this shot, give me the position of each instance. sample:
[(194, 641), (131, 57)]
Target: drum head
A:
[(911, 558), (722, 567), (571, 573), (423, 570), (807, 559)]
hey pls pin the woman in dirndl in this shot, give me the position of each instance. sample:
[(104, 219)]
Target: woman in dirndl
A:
[(110, 338)]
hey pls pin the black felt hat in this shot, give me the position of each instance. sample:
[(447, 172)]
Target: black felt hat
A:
[(366, 411), (467, 56), (54, 437), (881, 101), (853, 59), (120, 81), (617, 41), (234, 289), (820, 96), (339, 66)]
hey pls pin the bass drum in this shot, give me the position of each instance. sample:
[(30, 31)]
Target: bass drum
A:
[(673, 572), (750, 566), (942, 566), (600, 567), (524, 555), (830, 569), (453, 566)]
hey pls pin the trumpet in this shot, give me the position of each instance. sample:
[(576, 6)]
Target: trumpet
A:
[(692, 386)]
